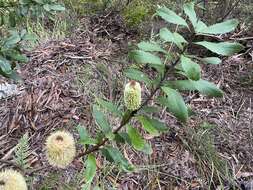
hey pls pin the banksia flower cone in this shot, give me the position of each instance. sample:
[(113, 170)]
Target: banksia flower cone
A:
[(60, 149), (11, 179), (132, 95)]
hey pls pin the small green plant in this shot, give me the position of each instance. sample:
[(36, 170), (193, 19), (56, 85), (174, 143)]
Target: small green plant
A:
[(174, 72), (22, 152), (12, 14)]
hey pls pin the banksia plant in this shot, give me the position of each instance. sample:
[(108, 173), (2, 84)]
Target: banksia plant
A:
[(11, 179), (60, 149), (132, 95)]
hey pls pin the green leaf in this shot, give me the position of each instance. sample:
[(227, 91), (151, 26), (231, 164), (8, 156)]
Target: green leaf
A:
[(175, 103), (203, 86), (114, 155), (222, 48), (137, 75), (12, 40), (182, 85), (110, 107), (57, 7), (90, 169), (150, 46), (137, 141), (153, 126), (84, 136), (211, 60), (170, 16), (102, 122), (168, 36), (190, 12), (207, 88), (148, 126), (220, 28), (200, 26), (149, 109), (145, 57), (5, 66), (192, 69)]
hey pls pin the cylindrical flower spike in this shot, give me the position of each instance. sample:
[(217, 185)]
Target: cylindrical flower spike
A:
[(132, 95), (60, 149), (11, 179)]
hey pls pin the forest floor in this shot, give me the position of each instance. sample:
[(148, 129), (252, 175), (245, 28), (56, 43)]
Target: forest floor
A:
[(61, 82)]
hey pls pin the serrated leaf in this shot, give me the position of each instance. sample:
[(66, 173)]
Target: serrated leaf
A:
[(190, 12), (207, 88), (90, 168), (175, 103), (57, 7), (110, 107), (137, 141), (12, 40), (192, 69), (84, 136), (137, 75), (220, 28), (152, 126), (145, 57), (168, 36), (5, 66), (222, 48), (102, 122), (114, 155), (148, 126), (203, 86), (150, 46), (149, 109), (211, 60), (170, 16)]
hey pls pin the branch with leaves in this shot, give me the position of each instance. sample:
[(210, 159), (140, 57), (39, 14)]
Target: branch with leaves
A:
[(182, 74)]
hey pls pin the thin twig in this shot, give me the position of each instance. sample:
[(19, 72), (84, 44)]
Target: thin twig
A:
[(11, 163), (229, 11)]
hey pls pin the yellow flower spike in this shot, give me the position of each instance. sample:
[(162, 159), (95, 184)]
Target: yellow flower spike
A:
[(11, 179), (60, 149), (132, 95)]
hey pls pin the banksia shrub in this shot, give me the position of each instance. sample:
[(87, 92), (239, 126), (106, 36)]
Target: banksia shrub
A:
[(11, 179), (132, 95), (60, 149)]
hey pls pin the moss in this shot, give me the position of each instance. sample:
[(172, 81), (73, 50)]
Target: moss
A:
[(136, 12)]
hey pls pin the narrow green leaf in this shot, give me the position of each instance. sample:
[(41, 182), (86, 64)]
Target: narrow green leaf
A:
[(145, 57), (114, 155), (192, 69), (222, 48), (150, 46), (149, 109), (168, 36), (137, 75), (84, 136), (190, 12), (90, 169), (148, 126), (220, 28), (5, 66), (207, 88), (170, 16), (203, 86), (57, 7), (102, 122), (175, 103), (200, 26), (110, 107), (211, 60), (137, 141)]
